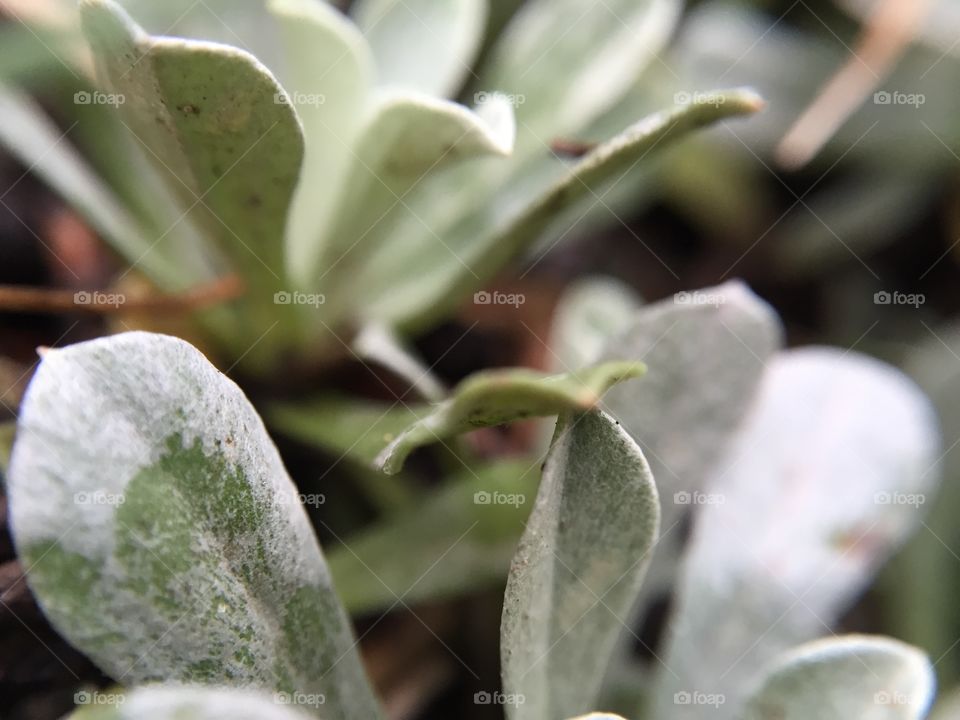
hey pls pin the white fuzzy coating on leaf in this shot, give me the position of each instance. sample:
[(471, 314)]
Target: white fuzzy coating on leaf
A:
[(829, 475), (837, 678), (161, 532), (578, 568)]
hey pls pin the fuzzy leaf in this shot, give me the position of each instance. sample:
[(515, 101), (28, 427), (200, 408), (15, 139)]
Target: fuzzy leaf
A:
[(456, 541), (405, 137), (329, 77), (171, 702), (496, 397), (403, 289), (424, 45), (162, 534), (705, 351), (208, 117), (345, 426), (829, 475), (856, 676), (580, 563)]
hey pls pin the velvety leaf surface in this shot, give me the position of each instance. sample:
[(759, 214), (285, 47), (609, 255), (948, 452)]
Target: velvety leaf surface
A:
[(424, 45), (855, 676), (495, 397), (829, 475), (404, 138), (208, 118), (167, 702), (403, 289), (457, 540), (161, 533), (578, 568)]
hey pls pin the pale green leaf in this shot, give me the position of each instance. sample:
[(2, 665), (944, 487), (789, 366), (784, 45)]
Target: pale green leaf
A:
[(328, 80), (404, 289), (172, 702), (566, 62), (853, 676), (209, 119), (598, 716), (706, 351), (495, 397), (458, 540), (579, 566), (831, 472), (346, 426), (162, 534), (405, 138), (425, 45)]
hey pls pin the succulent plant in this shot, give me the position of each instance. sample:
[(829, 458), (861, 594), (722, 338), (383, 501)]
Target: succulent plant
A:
[(163, 537), (340, 184)]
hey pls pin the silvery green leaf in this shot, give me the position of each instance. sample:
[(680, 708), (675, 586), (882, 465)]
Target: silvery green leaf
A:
[(401, 288), (380, 345), (208, 117), (172, 702), (853, 676), (598, 716), (588, 315), (578, 568), (328, 81), (706, 351), (29, 135), (404, 138), (162, 534), (457, 540), (425, 45), (346, 426), (565, 62), (495, 397), (848, 445)]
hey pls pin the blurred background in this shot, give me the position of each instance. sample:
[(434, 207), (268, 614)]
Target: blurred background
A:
[(839, 205)]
